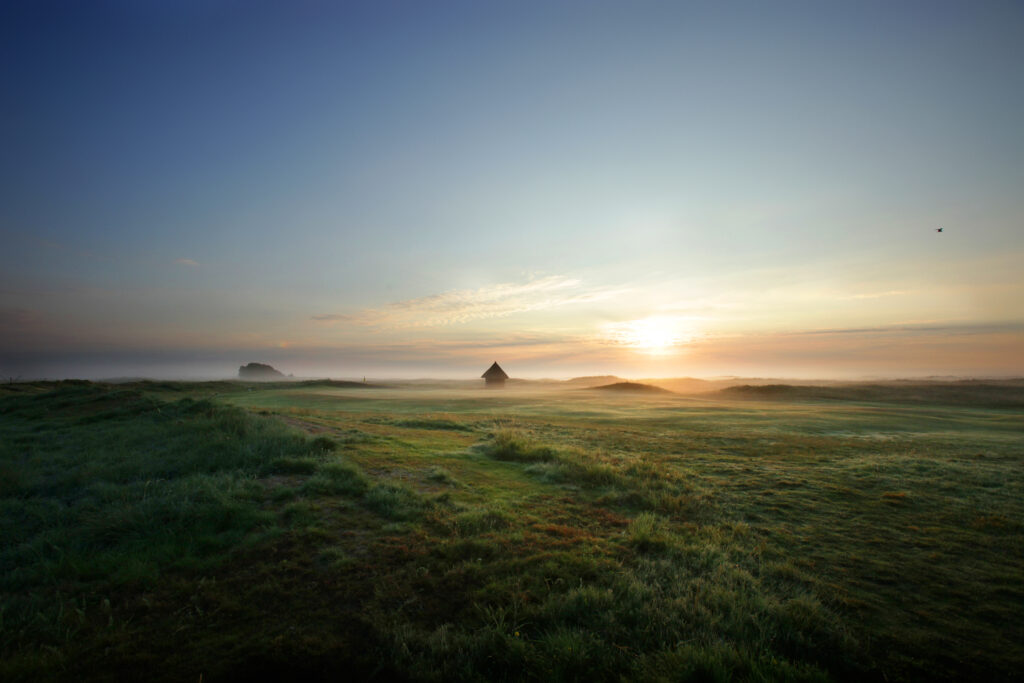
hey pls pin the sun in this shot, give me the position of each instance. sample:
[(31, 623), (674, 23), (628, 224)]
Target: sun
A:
[(656, 335)]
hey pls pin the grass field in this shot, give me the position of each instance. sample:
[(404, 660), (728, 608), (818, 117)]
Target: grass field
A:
[(229, 531)]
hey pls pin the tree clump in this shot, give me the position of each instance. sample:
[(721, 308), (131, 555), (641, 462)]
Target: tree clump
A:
[(258, 371)]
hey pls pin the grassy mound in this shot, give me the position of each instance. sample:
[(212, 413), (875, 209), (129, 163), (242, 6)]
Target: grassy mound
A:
[(632, 388)]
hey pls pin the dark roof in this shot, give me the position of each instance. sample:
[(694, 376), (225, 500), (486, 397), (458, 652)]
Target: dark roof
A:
[(494, 372)]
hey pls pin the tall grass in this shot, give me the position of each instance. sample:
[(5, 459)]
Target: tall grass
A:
[(107, 489)]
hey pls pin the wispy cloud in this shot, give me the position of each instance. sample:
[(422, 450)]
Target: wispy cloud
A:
[(937, 327), (191, 263), (877, 295), (330, 317), (439, 348), (494, 301)]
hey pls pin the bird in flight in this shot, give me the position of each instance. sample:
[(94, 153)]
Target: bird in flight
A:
[(938, 229)]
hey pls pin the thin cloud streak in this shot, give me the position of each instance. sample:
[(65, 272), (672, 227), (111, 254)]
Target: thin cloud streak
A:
[(495, 301), (878, 295), (911, 329), (330, 317), (191, 263)]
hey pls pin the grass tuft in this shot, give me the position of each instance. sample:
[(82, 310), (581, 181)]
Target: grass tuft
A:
[(323, 444), (647, 533), (440, 475), (510, 445)]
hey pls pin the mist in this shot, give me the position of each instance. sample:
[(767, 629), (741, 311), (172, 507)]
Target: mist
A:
[(221, 364)]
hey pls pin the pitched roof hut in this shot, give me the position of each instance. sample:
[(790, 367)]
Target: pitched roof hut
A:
[(495, 376)]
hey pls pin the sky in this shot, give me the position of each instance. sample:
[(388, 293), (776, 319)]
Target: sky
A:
[(411, 189)]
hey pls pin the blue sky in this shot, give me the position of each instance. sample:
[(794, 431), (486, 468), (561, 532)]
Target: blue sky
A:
[(399, 188)]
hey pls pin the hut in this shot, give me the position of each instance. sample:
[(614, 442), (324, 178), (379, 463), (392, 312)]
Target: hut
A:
[(494, 377)]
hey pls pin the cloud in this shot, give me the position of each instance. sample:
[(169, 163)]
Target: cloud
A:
[(187, 262), (936, 327), (494, 301), (878, 295), (330, 317)]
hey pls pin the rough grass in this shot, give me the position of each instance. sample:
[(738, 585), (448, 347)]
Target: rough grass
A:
[(422, 423), (106, 491), (146, 531)]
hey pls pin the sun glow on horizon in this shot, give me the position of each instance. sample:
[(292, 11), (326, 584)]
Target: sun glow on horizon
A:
[(655, 335)]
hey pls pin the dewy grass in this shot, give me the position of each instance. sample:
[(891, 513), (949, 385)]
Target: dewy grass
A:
[(120, 489), (508, 444), (646, 533), (599, 540), (442, 476)]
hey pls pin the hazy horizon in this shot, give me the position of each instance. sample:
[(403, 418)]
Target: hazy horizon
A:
[(401, 190), (119, 368)]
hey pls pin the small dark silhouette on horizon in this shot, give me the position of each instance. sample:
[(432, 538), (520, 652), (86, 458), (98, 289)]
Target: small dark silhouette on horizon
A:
[(258, 371), (938, 229), (494, 377)]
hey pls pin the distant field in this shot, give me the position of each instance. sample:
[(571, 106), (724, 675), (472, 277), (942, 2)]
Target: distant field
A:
[(314, 530), (1004, 394)]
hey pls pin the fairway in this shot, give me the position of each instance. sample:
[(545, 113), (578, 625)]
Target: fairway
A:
[(543, 532)]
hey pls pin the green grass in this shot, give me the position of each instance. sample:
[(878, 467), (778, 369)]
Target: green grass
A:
[(321, 530)]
